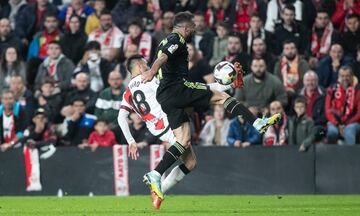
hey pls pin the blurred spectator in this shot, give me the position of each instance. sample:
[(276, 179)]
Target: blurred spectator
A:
[(79, 124), (215, 131), (256, 30), (215, 12), (343, 9), (166, 26), (189, 5), (102, 136), (220, 43), (291, 68), (7, 37), (235, 52), (109, 36), (328, 67), (82, 90), (23, 96), (322, 36), (140, 132), (50, 100), (260, 88), (343, 108), (275, 8), (31, 19), (12, 121), (108, 104), (39, 45), (240, 12), (126, 10), (74, 40), (277, 135), (11, 10), (301, 127), (76, 7), (351, 34), (10, 65), (199, 69), (259, 50), (204, 37), (93, 21), (315, 98), (242, 134), (356, 64), (290, 29), (41, 132), (143, 40), (57, 66), (97, 67)]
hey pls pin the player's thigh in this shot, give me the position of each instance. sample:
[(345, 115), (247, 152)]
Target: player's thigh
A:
[(196, 95), (189, 158), (169, 137), (183, 134)]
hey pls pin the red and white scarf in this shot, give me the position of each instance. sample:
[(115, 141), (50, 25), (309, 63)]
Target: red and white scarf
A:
[(272, 138), (322, 47), (32, 169), (144, 45), (10, 133), (343, 101), (289, 72), (108, 38)]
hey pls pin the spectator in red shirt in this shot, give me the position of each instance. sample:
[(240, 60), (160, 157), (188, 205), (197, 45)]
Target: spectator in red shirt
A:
[(101, 137), (344, 8), (240, 14), (342, 108), (215, 12)]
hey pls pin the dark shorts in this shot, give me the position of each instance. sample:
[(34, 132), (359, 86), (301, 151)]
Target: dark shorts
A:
[(181, 95)]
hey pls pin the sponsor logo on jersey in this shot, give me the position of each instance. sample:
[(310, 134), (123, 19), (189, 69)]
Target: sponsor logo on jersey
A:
[(173, 48)]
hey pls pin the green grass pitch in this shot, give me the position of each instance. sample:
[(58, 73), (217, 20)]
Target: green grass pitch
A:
[(183, 205)]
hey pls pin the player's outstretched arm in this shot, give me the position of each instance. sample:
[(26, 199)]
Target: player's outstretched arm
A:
[(149, 74), (133, 150)]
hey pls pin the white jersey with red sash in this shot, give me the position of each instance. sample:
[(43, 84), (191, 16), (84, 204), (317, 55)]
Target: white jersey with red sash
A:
[(141, 98)]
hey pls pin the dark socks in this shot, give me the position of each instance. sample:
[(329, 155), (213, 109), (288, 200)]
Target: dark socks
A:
[(184, 169), (235, 108), (170, 157)]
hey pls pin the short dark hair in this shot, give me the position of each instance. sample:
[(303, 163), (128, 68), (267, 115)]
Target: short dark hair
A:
[(101, 120), (199, 13), (49, 80), (130, 62), (301, 99), (236, 35), (225, 25), (322, 10), (76, 99), (289, 7), (105, 12), (183, 17), (93, 45), (347, 68), (258, 59), (256, 15), (288, 41), (353, 15), (136, 21), (50, 14), (55, 42)]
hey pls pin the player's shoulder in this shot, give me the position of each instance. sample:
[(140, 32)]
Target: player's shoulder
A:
[(176, 38)]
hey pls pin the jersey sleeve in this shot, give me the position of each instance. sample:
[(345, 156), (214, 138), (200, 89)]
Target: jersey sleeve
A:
[(171, 45), (125, 103)]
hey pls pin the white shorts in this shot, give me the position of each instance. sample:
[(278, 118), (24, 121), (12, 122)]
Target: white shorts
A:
[(168, 137)]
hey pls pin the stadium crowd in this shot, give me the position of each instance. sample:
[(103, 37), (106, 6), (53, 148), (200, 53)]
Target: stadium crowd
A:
[(63, 68)]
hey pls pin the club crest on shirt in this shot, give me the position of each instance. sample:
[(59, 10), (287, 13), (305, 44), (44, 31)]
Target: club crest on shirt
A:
[(173, 48)]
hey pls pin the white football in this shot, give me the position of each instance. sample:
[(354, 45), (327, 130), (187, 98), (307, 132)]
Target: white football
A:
[(224, 73)]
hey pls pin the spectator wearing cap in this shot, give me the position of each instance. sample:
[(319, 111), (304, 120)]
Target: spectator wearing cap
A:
[(81, 89), (220, 43), (41, 40), (290, 29), (143, 40), (79, 124), (204, 37), (97, 67), (342, 108), (57, 66), (351, 34), (7, 37), (343, 9), (93, 21), (76, 7), (23, 96), (12, 121), (108, 103), (41, 132), (109, 36), (74, 40), (328, 67), (31, 19)]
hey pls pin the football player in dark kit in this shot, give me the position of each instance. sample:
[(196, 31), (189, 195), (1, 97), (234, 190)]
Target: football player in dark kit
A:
[(175, 94)]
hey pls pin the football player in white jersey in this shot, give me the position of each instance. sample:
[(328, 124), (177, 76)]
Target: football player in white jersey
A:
[(141, 98)]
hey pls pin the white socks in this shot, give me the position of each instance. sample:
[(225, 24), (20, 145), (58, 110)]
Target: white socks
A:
[(174, 177)]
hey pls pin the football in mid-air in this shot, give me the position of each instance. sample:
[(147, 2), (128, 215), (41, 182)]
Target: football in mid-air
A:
[(224, 73)]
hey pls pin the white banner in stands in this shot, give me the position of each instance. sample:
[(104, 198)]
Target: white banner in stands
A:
[(32, 169), (156, 154), (121, 173)]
